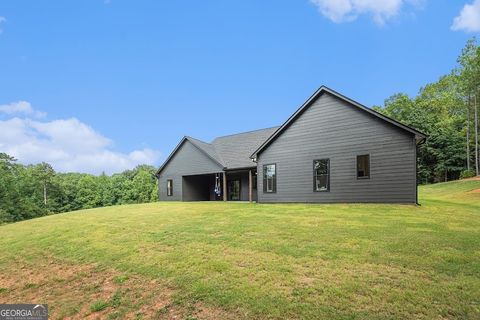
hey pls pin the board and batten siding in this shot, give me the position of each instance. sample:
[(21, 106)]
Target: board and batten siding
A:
[(188, 160), (334, 129)]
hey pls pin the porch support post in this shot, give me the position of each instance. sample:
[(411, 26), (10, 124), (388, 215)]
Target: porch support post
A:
[(224, 186), (250, 186)]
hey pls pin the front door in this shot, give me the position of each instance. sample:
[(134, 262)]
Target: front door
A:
[(234, 190)]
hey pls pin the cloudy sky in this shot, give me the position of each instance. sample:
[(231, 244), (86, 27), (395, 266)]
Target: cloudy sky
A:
[(104, 85)]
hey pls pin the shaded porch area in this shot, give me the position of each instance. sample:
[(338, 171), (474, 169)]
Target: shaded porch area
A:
[(235, 185)]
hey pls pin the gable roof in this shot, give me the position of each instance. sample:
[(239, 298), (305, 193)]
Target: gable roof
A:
[(229, 152), (323, 89), (200, 145)]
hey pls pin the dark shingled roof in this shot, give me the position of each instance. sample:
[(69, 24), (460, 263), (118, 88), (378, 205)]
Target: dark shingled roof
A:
[(232, 151), (235, 149)]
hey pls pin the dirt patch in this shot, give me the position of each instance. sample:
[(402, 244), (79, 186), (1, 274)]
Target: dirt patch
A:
[(204, 312), (90, 291), (156, 305), (475, 191), (477, 178), (71, 290)]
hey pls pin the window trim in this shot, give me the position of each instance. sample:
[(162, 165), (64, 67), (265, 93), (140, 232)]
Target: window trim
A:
[(369, 167), (265, 179), (170, 191), (315, 175)]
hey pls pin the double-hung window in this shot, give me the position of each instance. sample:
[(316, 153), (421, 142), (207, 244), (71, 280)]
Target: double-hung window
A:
[(270, 178), (321, 175)]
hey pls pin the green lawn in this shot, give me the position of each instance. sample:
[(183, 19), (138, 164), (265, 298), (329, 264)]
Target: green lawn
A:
[(238, 260)]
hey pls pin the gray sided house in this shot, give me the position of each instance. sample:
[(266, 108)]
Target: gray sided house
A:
[(332, 149)]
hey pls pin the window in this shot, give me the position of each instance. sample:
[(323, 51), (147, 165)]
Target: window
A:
[(321, 175), (363, 166), (270, 178), (169, 187)]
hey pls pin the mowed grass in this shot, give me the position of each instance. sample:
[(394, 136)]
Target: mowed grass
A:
[(244, 261)]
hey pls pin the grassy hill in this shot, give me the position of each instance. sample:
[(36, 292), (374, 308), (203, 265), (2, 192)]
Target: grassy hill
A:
[(237, 260)]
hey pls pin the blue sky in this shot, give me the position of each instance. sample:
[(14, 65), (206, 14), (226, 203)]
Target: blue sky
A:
[(96, 85)]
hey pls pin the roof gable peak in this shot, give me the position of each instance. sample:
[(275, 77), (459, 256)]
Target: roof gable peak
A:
[(324, 89)]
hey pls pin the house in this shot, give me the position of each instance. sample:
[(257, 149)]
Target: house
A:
[(332, 149)]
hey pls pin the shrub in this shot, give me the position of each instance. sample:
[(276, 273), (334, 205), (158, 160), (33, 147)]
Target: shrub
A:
[(467, 174)]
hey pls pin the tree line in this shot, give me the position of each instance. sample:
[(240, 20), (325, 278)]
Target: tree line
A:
[(29, 191), (447, 111)]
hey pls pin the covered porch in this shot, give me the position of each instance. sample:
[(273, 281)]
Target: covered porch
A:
[(230, 185)]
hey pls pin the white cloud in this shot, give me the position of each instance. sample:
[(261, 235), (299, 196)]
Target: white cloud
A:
[(348, 10), (21, 107), (469, 18), (69, 145)]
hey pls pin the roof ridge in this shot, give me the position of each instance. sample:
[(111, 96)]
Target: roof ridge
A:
[(190, 137), (237, 134)]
